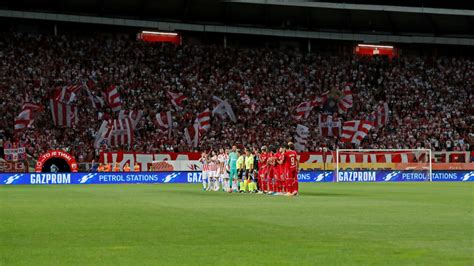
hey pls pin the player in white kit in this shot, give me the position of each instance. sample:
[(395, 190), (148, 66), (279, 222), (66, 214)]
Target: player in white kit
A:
[(205, 171), (221, 170), (213, 166), (223, 159)]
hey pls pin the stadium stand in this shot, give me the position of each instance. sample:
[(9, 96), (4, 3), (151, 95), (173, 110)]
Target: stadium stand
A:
[(417, 89)]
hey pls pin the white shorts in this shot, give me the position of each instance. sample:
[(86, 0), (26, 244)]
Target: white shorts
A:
[(205, 174)]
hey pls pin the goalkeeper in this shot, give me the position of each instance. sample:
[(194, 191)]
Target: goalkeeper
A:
[(233, 181)]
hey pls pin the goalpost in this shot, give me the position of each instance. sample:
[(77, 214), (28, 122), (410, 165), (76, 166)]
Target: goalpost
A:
[(407, 164)]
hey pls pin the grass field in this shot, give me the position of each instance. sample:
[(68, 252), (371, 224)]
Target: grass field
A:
[(329, 224)]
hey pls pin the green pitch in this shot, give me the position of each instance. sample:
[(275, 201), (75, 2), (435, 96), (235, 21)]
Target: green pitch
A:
[(329, 224)]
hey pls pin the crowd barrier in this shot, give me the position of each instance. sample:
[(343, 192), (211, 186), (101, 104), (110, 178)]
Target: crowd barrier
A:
[(195, 177)]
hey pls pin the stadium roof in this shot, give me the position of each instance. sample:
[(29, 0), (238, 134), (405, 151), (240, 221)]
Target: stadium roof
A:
[(440, 19)]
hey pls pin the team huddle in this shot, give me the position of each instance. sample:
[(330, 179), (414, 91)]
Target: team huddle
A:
[(271, 171)]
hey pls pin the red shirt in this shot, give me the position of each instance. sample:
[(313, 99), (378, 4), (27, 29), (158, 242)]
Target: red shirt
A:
[(278, 157), (291, 158), (262, 160)]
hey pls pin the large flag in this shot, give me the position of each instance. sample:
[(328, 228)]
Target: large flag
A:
[(64, 115), (191, 134), (112, 96), (103, 135), (67, 94), (26, 117), (164, 120), (122, 132), (177, 99), (328, 126), (134, 116), (346, 101), (223, 109), (355, 131), (114, 133), (301, 137), (304, 109), (204, 120), (380, 115)]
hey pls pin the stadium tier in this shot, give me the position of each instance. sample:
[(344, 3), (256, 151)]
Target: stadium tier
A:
[(58, 91)]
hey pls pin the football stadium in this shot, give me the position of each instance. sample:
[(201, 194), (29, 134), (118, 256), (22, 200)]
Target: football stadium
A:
[(236, 132)]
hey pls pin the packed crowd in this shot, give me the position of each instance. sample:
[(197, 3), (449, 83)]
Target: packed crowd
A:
[(430, 99)]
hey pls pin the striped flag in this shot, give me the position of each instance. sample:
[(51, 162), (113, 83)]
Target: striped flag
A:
[(381, 115), (122, 132), (112, 97), (134, 116), (115, 132), (64, 115), (177, 99), (303, 109), (191, 134), (346, 101), (204, 120), (26, 117), (67, 94), (355, 131), (164, 120)]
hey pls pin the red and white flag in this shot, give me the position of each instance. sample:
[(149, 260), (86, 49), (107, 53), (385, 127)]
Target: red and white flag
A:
[(134, 116), (328, 126), (177, 99), (164, 120), (112, 96), (301, 137), (191, 134), (67, 94), (380, 115), (122, 132), (204, 120), (114, 133), (346, 101), (64, 115), (303, 109), (223, 109), (26, 117), (355, 131)]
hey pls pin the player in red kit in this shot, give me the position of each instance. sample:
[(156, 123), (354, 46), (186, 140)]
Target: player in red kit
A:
[(271, 162), (291, 165), (280, 171), (262, 170)]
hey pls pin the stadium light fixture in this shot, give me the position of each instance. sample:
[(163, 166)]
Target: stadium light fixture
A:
[(375, 46), (161, 33)]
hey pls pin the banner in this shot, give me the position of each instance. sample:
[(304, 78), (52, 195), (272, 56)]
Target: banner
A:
[(146, 160), (195, 177), (13, 167), (56, 161), (14, 152)]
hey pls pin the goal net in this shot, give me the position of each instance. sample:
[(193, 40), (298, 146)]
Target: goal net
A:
[(383, 165)]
